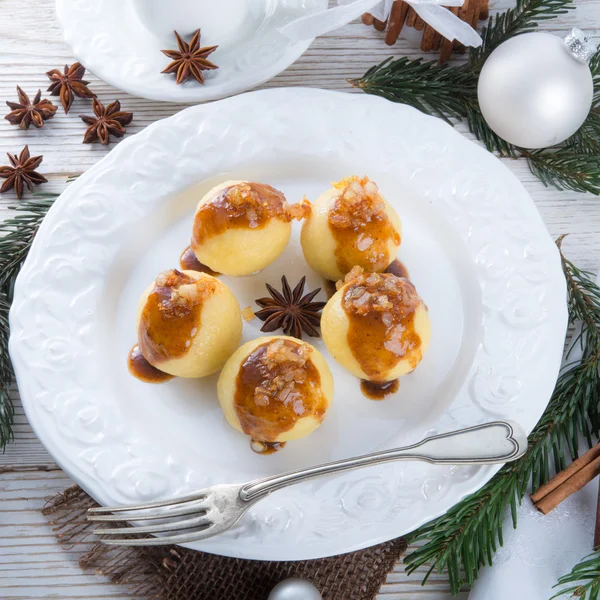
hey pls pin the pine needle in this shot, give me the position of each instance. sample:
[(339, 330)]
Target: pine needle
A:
[(586, 579), (441, 91), (567, 170)]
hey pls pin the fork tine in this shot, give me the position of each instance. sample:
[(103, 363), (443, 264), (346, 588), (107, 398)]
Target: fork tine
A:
[(186, 509), (163, 541), (158, 504), (173, 526)]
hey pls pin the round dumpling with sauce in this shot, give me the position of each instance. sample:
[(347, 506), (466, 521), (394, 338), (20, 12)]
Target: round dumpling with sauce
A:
[(376, 326), (189, 323), (241, 227), (351, 225), (275, 389)]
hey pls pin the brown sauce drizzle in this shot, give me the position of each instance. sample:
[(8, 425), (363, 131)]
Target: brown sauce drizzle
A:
[(189, 262), (360, 226), (276, 385), (330, 288), (171, 318), (380, 308), (244, 205), (266, 447), (398, 269), (378, 391), (139, 367)]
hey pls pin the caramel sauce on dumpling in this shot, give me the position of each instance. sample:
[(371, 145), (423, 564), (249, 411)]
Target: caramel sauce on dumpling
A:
[(171, 316), (381, 311), (277, 384), (244, 205), (360, 226)]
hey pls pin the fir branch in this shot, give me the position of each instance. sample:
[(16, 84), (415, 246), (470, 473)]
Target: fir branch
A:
[(16, 236), (466, 537), (566, 170), (524, 18), (442, 91), (6, 376), (595, 69), (586, 140), (586, 579)]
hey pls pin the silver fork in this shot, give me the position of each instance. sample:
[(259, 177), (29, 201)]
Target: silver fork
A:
[(208, 512)]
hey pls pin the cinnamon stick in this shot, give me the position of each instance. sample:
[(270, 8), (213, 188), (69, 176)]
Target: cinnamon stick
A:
[(585, 459), (419, 23), (445, 51), (597, 527), (462, 11), (437, 41), (484, 10), (396, 21), (411, 17), (578, 474), (379, 25), (368, 19), (476, 9), (427, 39)]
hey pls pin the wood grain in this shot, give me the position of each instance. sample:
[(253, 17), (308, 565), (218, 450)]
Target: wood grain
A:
[(32, 565)]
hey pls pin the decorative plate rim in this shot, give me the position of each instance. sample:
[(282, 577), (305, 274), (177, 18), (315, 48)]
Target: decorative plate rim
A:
[(40, 357)]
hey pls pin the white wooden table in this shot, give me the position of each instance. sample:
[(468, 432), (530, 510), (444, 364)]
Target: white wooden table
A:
[(32, 564)]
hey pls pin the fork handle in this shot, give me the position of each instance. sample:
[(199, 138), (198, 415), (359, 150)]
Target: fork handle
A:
[(491, 443)]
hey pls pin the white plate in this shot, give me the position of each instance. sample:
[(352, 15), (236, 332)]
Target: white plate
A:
[(474, 245), (108, 37)]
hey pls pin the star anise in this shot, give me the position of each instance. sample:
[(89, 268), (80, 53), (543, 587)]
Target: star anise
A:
[(190, 60), (290, 310), (21, 173), (69, 84), (25, 112), (108, 121)]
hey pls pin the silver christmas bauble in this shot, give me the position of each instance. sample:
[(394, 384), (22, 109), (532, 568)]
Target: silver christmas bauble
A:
[(534, 92), (295, 589)]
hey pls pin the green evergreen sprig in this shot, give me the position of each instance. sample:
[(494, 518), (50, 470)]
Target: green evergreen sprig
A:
[(451, 93), (583, 581), (466, 537), (16, 236)]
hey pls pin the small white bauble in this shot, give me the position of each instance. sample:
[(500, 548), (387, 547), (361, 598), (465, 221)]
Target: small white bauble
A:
[(533, 92), (295, 589)]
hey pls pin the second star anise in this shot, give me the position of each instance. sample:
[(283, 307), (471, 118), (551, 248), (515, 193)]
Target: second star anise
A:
[(69, 84), (21, 173), (190, 60), (25, 112), (108, 121), (290, 310)]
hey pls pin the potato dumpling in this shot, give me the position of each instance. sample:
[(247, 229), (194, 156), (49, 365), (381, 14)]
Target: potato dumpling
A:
[(376, 326), (275, 389), (241, 227), (189, 323), (351, 225)]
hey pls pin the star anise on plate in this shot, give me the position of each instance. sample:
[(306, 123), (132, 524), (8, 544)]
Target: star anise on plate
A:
[(21, 173), (25, 112), (190, 60), (108, 121), (290, 310), (69, 84)]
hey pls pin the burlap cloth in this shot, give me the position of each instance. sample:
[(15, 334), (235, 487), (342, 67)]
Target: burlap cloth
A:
[(175, 573)]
